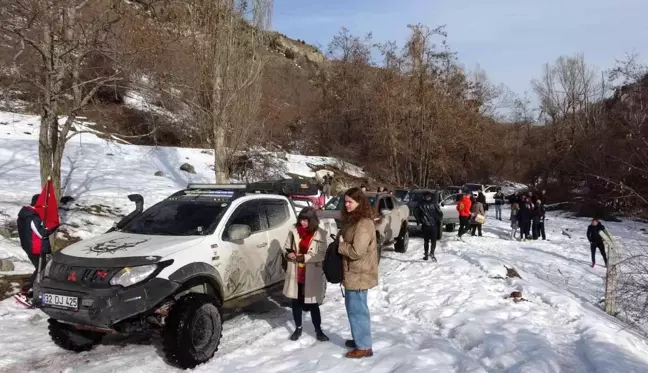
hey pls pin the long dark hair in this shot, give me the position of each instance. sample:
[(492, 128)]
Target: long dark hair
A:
[(309, 214), (364, 209)]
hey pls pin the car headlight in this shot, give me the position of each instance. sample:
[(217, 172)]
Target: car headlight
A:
[(132, 275)]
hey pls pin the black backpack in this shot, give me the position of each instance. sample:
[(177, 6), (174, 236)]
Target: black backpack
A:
[(332, 265)]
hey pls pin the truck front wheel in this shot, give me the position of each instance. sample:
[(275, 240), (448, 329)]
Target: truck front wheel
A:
[(193, 330), (72, 339)]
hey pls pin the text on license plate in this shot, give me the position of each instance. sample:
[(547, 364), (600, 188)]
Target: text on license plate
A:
[(60, 300)]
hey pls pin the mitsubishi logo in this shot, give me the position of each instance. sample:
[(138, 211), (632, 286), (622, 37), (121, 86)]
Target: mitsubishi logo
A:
[(72, 276)]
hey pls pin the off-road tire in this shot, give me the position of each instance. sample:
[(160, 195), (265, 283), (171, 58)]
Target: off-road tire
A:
[(449, 227), (70, 338), (192, 330), (402, 242)]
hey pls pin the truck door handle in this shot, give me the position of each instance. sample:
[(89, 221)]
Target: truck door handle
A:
[(262, 245)]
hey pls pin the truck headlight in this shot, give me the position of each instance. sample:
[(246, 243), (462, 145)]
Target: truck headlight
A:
[(132, 275)]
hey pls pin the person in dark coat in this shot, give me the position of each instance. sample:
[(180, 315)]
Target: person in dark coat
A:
[(596, 241), (538, 220), (34, 239), (481, 198), (499, 201), (524, 218), (429, 215)]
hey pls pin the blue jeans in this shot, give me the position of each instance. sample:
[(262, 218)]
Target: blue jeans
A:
[(359, 319), (498, 212)]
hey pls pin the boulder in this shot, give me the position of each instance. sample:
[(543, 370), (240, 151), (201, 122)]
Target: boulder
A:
[(6, 265), (159, 173), (186, 167)]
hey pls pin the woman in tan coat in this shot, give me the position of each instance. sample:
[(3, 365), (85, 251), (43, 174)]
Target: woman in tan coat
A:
[(360, 268), (305, 283)]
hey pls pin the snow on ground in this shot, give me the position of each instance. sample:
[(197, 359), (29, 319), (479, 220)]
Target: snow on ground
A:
[(450, 316), (99, 175)]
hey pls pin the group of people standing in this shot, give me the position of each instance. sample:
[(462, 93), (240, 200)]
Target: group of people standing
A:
[(305, 284), (528, 215), (472, 214)]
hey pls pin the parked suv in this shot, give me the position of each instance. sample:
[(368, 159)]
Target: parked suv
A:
[(173, 266)]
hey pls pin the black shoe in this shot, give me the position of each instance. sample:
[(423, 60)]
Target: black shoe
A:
[(425, 257), (295, 336), (321, 336), (434, 259), (350, 343)]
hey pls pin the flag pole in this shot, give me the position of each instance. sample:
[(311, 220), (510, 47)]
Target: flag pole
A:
[(40, 256)]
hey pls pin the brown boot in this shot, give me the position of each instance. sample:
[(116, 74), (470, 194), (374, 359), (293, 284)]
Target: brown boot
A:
[(359, 354)]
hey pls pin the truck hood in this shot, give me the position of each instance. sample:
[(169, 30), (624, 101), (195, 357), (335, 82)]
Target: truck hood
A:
[(123, 245)]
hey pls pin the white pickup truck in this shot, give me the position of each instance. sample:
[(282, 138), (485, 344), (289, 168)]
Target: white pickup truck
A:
[(391, 220), (488, 191), (173, 266)]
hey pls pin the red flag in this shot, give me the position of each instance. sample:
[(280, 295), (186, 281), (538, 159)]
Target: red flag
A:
[(47, 206)]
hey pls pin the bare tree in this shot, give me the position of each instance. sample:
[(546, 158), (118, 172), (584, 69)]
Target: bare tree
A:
[(65, 37), (230, 38)]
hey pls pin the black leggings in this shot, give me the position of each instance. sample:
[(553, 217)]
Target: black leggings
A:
[(601, 247), (474, 228), (298, 306), (464, 225), (27, 285), (429, 239)]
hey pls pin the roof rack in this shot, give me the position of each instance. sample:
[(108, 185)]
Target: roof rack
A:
[(286, 187), (216, 186)]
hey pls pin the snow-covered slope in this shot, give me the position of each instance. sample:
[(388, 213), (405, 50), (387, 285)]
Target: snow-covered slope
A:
[(450, 316), (99, 175)]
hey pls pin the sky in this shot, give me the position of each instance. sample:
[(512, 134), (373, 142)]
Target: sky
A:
[(509, 39)]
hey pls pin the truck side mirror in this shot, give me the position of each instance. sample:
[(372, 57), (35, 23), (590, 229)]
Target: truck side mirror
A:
[(238, 232)]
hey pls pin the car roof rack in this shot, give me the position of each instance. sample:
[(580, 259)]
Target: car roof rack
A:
[(285, 187)]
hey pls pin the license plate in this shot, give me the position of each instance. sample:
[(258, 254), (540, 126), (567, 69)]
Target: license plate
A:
[(61, 301)]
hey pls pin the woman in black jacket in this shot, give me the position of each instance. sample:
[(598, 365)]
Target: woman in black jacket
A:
[(524, 216)]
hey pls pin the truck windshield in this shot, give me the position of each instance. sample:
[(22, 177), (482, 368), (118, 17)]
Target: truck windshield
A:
[(179, 216), (473, 187), (400, 194), (419, 196)]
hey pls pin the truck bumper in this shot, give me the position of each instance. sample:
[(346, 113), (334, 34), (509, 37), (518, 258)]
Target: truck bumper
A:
[(103, 308)]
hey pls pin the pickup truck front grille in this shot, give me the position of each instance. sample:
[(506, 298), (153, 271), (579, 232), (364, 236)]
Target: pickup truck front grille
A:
[(92, 277)]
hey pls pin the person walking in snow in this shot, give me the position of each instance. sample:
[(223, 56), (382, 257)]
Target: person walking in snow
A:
[(360, 268), (538, 215), (499, 201), (34, 240), (463, 207), (476, 217), (524, 219), (429, 215), (515, 207), (596, 241), (305, 283)]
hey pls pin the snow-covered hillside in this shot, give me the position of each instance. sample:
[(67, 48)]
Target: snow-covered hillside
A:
[(450, 316), (99, 175)]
